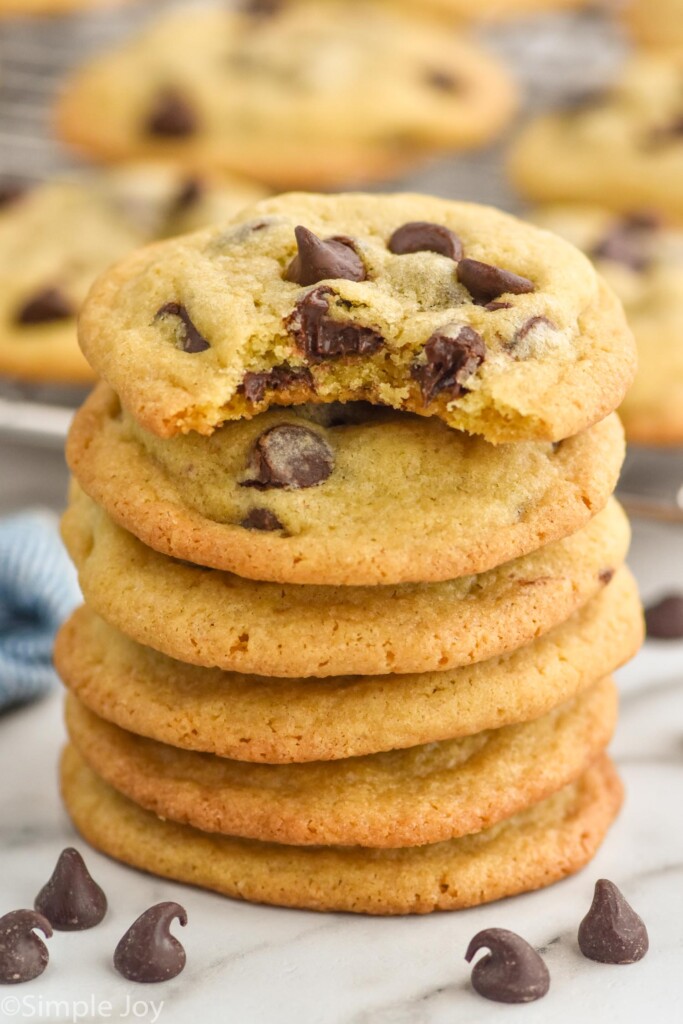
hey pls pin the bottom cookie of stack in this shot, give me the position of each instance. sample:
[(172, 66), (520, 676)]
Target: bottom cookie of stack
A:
[(534, 848)]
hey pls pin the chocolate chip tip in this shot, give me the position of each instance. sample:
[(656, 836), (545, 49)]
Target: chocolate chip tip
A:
[(71, 899), (612, 932)]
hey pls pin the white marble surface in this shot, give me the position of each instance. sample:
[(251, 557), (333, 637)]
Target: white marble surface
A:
[(255, 965)]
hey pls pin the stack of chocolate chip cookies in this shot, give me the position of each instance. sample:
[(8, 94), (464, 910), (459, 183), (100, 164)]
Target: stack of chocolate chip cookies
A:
[(354, 578)]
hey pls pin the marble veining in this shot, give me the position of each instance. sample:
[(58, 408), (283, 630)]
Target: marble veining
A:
[(257, 965)]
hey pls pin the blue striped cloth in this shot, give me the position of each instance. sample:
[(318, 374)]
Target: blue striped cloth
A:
[(38, 589)]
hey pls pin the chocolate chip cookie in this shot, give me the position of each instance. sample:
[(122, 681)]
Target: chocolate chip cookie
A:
[(622, 149), (642, 258), (655, 23), (303, 94), (440, 308)]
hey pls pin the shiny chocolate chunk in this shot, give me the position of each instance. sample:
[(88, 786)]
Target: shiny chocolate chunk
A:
[(422, 236), (322, 259), (291, 457), (485, 282), (443, 81), (148, 952), (512, 972), (612, 932), (189, 338), (45, 306), (627, 242), (664, 619), (280, 378), (71, 900), (452, 356), (23, 955), (321, 337), (171, 116), (261, 519)]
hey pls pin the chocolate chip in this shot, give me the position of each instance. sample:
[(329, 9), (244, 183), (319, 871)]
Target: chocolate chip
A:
[(451, 358), (612, 932), (422, 236), (530, 324), (289, 456), (261, 519), (261, 8), (171, 116), (45, 306), (665, 133), (320, 337), (10, 191), (320, 260), (23, 956), (71, 900), (485, 282), (444, 81), (148, 952), (664, 619), (627, 242), (280, 378), (493, 306), (512, 972), (191, 191), (189, 338), (606, 576)]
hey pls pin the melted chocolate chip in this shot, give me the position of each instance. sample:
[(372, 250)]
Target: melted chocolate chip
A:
[(664, 620), (261, 519), (44, 307), (10, 191), (612, 932), (190, 339), (280, 378), (512, 972), (485, 282), (606, 576), (191, 191), (289, 456), (530, 324), (626, 242), (71, 900), (451, 360), (171, 116), (320, 337), (23, 956), (320, 260), (422, 236), (148, 952), (444, 81), (493, 306)]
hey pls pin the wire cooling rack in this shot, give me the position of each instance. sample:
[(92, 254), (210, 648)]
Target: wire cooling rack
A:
[(555, 58)]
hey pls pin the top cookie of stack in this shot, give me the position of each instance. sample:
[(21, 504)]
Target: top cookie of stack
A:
[(457, 313)]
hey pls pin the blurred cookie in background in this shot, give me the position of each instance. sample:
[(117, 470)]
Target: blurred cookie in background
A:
[(56, 237), (490, 10), (22, 7), (296, 95), (622, 149), (642, 259), (657, 23)]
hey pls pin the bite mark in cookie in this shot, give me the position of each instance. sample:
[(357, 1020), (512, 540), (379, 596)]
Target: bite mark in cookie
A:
[(321, 337)]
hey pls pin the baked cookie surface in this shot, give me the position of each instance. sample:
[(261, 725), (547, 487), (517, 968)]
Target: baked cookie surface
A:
[(404, 498), (435, 307), (317, 94), (402, 798), (56, 237), (642, 259), (656, 23), (531, 850), (216, 619), (622, 149), (254, 718)]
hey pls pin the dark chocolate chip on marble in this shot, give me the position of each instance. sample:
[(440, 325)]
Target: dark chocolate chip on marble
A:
[(261, 519), (443, 81), (190, 339), (148, 952), (45, 306), (320, 259), (451, 357), (512, 972), (23, 954), (612, 932), (280, 378), (171, 116), (664, 619), (321, 337), (291, 457), (485, 282), (71, 900), (423, 236)]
